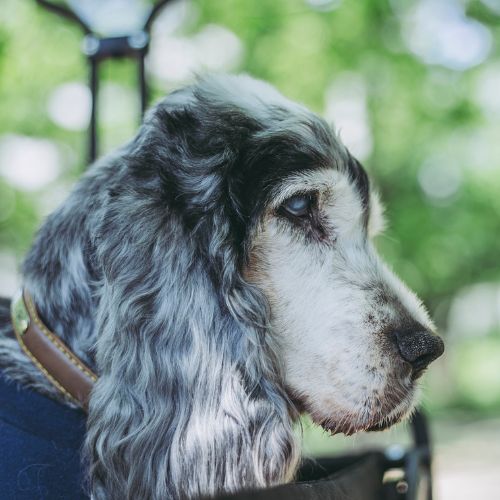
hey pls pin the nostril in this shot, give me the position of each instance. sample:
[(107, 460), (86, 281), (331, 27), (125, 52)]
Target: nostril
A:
[(419, 348)]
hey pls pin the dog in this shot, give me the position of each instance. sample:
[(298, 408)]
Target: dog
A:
[(218, 275)]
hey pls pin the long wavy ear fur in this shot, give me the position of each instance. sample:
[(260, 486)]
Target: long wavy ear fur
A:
[(188, 402)]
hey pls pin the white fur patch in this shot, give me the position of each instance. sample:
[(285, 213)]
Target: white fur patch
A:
[(334, 307), (377, 222)]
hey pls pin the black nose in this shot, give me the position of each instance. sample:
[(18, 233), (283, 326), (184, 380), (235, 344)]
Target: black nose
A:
[(419, 348)]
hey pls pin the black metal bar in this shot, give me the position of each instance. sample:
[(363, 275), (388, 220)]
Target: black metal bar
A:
[(94, 90), (422, 439), (64, 12), (139, 45), (154, 11), (98, 49), (143, 86), (420, 429)]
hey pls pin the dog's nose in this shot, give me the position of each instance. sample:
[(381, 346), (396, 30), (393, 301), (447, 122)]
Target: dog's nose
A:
[(419, 348)]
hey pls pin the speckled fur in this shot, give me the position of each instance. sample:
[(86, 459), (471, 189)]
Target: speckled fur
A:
[(168, 272)]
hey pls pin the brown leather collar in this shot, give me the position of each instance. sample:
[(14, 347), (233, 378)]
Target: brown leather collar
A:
[(49, 353)]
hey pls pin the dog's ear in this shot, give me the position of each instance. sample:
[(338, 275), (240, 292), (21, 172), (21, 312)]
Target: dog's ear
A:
[(188, 400)]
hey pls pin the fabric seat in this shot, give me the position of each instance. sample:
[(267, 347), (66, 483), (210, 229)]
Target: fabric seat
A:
[(40, 443), (360, 480)]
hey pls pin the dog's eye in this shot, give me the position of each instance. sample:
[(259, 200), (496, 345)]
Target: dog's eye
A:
[(298, 206)]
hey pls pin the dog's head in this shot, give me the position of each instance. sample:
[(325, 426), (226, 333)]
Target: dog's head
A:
[(352, 338), (271, 196)]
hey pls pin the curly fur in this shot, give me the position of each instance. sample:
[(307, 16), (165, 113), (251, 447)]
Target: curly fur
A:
[(139, 273), (142, 273)]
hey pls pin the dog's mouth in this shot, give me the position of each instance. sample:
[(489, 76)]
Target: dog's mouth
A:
[(417, 374)]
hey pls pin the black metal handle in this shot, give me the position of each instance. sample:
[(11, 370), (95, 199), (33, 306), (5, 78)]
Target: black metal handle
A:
[(64, 12), (98, 49)]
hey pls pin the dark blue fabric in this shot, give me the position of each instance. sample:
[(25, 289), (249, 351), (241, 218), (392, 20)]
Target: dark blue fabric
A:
[(40, 443)]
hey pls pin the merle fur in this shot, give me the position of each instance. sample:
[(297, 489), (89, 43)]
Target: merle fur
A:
[(140, 272)]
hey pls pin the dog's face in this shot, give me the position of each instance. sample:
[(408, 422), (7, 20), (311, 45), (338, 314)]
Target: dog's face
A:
[(351, 339)]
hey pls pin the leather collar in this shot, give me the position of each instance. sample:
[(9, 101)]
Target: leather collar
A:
[(49, 353)]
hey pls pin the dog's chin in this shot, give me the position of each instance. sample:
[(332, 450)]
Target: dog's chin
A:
[(390, 412), (349, 425)]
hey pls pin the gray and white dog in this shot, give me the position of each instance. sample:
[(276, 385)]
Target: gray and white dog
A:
[(218, 273)]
